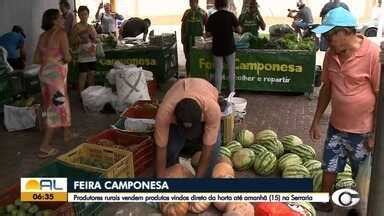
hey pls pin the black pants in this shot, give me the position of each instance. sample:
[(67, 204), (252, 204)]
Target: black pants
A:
[(177, 141), (17, 64)]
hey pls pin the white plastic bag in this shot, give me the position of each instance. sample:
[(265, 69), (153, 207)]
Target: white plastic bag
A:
[(95, 98), (363, 180), (5, 67), (139, 125), (148, 75), (100, 50), (19, 118), (32, 70), (131, 86)]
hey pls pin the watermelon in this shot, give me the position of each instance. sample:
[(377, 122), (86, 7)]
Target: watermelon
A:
[(290, 141), (317, 180), (306, 152), (225, 151), (296, 171), (289, 159), (265, 135), (234, 146), (345, 183), (347, 173), (274, 146), (243, 159), (265, 164), (245, 137), (312, 166), (258, 149)]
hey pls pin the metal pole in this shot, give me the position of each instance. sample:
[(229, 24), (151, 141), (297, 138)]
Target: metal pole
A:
[(376, 190)]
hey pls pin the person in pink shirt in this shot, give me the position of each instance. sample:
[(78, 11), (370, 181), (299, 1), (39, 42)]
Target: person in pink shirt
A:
[(189, 111), (350, 79)]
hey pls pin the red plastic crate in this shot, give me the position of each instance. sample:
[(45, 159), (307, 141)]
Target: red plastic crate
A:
[(142, 147), (138, 110), (9, 195)]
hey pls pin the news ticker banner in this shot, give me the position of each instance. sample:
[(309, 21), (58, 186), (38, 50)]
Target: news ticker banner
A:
[(169, 190)]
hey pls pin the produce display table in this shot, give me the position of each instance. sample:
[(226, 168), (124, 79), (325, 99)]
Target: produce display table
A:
[(160, 60), (262, 70)]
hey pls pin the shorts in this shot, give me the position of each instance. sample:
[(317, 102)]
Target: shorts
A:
[(340, 146), (87, 67)]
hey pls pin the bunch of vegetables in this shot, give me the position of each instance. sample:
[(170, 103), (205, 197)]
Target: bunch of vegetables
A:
[(24, 102), (288, 41)]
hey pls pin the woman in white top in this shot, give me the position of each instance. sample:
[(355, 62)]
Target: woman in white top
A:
[(107, 19), (83, 40)]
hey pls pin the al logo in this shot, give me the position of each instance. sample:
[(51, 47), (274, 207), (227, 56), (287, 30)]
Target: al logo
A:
[(43, 189)]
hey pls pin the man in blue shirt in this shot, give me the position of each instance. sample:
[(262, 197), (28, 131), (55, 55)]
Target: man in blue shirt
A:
[(13, 41)]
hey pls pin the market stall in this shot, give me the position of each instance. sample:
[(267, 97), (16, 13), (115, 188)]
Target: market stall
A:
[(158, 56), (277, 70)]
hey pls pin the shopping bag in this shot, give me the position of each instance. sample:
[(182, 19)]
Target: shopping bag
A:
[(363, 180), (19, 118), (100, 50), (95, 97)]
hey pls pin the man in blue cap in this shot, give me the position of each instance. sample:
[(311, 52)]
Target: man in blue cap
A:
[(351, 79)]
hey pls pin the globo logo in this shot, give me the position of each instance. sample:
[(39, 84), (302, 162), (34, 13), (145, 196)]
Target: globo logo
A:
[(345, 197)]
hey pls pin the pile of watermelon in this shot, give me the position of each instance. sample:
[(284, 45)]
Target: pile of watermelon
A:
[(266, 154)]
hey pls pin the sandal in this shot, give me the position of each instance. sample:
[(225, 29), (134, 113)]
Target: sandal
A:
[(50, 153)]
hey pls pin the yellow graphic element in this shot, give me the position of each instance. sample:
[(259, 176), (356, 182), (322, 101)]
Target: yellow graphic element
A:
[(127, 61), (256, 67), (44, 197), (32, 185)]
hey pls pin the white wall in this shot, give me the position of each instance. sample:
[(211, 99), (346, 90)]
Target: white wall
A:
[(27, 14)]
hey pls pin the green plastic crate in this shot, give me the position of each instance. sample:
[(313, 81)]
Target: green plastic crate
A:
[(59, 169), (6, 90)]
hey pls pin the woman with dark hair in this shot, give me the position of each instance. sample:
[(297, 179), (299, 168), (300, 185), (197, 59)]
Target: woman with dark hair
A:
[(83, 40), (221, 26), (52, 53), (69, 17)]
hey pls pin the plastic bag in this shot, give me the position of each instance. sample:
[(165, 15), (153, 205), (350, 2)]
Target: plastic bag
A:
[(5, 67), (131, 86), (19, 118), (32, 70), (100, 50), (148, 75), (139, 125), (95, 98), (363, 181)]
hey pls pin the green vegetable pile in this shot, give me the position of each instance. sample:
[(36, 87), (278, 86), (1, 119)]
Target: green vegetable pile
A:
[(19, 208), (110, 41), (24, 102), (288, 41)]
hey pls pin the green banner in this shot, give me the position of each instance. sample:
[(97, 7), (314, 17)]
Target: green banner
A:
[(263, 70), (161, 61)]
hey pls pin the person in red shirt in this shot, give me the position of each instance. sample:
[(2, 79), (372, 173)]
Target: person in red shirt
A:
[(350, 78), (189, 111)]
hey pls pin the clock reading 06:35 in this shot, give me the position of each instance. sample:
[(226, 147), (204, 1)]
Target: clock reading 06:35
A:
[(43, 196)]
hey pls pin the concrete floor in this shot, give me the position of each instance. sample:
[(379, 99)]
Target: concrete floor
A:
[(284, 113)]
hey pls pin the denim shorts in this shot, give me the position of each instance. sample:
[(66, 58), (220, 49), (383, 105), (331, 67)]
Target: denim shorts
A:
[(342, 146)]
